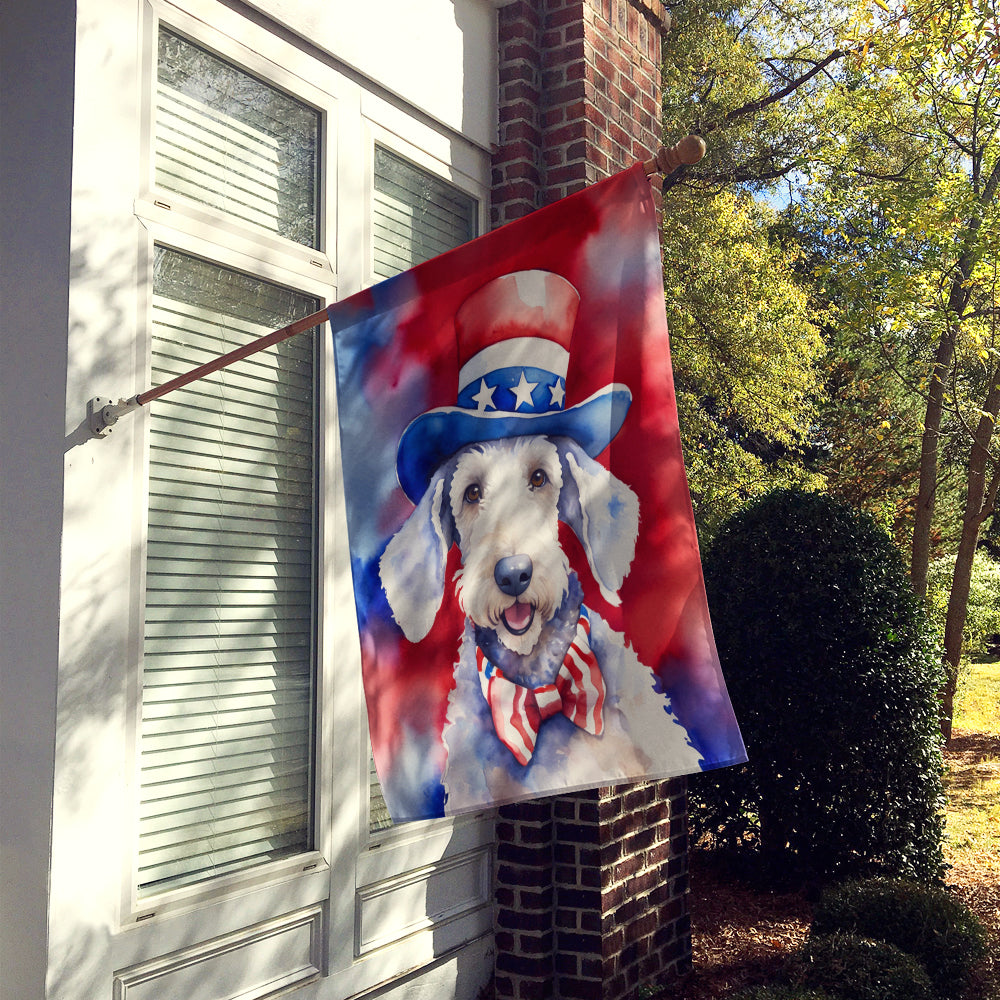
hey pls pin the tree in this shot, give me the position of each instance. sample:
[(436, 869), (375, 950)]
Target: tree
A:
[(747, 358), (912, 189), (746, 75), (747, 352), (878, 122)]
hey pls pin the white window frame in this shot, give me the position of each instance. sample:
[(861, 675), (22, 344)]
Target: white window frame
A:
[(352, 875), (177, 223)]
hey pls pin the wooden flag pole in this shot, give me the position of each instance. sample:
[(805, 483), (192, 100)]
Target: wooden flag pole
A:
[(103, 413)]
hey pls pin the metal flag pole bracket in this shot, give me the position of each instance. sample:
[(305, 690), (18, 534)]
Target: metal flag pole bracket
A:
[(103, 413)]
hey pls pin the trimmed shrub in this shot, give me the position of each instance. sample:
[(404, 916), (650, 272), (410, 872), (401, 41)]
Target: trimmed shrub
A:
[(925, 922), (833, 672), (856, 968)]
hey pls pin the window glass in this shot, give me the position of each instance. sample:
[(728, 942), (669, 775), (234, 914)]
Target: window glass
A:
[(228, 680), (228, 140), (416, 215)]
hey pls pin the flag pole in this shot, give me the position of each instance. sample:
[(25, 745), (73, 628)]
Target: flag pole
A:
[(103, 414)]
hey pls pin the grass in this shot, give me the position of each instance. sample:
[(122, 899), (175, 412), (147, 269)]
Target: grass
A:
[(978, 698), (972, 848), (973, 782), (742, 935)]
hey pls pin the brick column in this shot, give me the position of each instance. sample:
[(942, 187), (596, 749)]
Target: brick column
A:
[(579, 96), (591, 889)]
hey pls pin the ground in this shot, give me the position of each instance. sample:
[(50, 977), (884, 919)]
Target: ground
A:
[(742, 935)]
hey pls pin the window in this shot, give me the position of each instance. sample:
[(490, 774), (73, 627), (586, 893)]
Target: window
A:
[(228, 680), (251, 806), (416, 216), (227, 140), (229, 647)]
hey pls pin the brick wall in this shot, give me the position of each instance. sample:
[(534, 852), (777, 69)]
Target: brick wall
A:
[(591, 889), (579, 96)]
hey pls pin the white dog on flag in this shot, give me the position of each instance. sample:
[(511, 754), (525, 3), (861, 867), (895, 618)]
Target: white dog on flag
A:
[(546, 697)]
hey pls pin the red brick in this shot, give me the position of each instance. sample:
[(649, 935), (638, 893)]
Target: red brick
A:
[(521, 130), (521, 920), (535, 899), (522, 111), (536, 944), (567, 964), (564, 54), (521, 93), (538, 966), (535, 990), (519, 876), (580, 899), (642, 882), (567, 133), (581, 989), (518, 50)]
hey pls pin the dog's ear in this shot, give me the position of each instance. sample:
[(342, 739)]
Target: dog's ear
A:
[(604, 514), (412, 566)]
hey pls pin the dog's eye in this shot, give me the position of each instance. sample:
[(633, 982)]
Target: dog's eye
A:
[(473, 493), (538, 479)]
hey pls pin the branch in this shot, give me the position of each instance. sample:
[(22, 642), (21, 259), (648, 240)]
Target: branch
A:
[(754, 106)]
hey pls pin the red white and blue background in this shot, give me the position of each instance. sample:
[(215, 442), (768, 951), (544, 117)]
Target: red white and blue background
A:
[(526, 572)]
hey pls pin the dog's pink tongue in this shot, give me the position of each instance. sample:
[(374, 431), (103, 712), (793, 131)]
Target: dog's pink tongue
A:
[(517, 616)]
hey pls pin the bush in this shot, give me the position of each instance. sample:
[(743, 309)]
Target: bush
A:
[(856, 968), (925, 922), (982, 620), (833, 672)]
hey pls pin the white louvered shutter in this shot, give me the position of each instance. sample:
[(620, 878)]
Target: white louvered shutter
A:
[(228, 674), (227, 706), (416, 216)]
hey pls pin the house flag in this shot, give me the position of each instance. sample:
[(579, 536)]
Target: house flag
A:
[(526, 573)]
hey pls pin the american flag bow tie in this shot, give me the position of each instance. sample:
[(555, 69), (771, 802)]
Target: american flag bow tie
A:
[(518, 711)]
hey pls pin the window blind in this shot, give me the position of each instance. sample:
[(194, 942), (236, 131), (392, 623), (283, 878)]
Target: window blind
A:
[(228, 140), (415, 216), (228, 653)]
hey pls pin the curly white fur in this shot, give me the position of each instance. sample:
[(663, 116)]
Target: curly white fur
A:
[(502, 500)]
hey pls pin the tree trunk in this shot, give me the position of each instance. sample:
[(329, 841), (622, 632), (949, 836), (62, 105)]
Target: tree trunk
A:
[(958, 299), (920, 554), (980, 498)]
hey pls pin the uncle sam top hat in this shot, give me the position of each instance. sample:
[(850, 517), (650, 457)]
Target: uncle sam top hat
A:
[(514, 347)]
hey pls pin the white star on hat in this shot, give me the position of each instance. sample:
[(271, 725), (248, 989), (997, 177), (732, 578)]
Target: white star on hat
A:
[(522, 392), (484, 398), (558, 393)]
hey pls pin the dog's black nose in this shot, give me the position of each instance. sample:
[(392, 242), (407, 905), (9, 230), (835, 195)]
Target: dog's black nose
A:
[(513, 574)]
